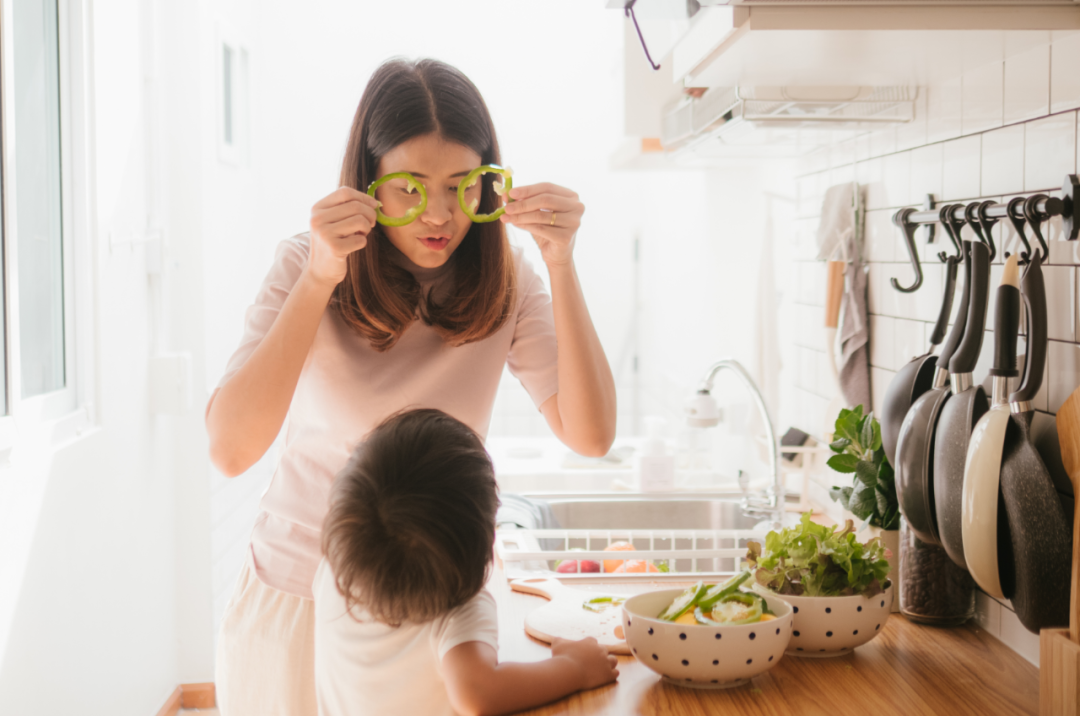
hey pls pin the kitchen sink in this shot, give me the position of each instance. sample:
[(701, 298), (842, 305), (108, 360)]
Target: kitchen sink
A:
[(645, 512), (663, 524)]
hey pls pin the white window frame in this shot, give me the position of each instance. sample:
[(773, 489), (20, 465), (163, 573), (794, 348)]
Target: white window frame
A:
[(54, 418)]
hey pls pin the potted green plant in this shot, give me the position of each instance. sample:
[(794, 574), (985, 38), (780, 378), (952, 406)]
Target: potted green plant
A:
[(872, 494)]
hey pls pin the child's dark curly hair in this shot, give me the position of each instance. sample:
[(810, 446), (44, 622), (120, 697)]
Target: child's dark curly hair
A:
[(411, 524)]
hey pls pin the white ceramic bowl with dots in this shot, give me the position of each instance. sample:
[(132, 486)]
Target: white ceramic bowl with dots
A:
[(833, 626), (704, 657)]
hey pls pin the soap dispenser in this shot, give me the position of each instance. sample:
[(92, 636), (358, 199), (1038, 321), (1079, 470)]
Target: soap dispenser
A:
[(655, 463)]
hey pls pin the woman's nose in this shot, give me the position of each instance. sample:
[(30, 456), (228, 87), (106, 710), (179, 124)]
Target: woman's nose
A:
[(439, 210)]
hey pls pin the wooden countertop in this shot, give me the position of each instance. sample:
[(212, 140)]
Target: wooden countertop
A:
[(909, 669)]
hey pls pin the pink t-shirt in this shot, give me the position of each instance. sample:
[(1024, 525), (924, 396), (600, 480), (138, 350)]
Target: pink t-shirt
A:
[(346, 388)]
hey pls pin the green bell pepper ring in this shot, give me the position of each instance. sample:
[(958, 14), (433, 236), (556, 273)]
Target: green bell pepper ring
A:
[(411, 214), (502, 189), (747, 599), (683, 603), (720, 591)]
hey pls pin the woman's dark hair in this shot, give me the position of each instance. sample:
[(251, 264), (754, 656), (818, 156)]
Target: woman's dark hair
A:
[(406, 99), (411, 523)]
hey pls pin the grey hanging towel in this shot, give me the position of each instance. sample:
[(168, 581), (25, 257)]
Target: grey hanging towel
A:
[(855, 336)]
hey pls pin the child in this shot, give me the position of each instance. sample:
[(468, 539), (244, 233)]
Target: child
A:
[(403, 624)]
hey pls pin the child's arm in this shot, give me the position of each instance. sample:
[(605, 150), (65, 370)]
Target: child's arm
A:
[(478, 685)]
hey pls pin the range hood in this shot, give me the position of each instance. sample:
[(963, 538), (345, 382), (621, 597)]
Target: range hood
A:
[(779, 121)]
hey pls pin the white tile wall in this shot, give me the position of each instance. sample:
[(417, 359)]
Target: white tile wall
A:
[(944, 106), (1027, 85), (1002, 159), (962, 168), (998, 131), (1049, 151), (981, 90), (1064, 81)]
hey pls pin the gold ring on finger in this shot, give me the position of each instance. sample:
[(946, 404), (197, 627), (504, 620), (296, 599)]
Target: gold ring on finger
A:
[(553, 215)]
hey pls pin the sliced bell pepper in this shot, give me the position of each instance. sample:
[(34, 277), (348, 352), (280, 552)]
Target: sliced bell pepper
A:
[(683, 603), (720, 591), (412, 184), (502, 188), (599, 604)]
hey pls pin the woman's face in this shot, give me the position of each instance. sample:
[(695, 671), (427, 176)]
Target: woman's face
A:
[(440, 166)]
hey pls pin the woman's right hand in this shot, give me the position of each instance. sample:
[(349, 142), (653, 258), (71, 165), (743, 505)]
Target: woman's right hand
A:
[(340, 224)]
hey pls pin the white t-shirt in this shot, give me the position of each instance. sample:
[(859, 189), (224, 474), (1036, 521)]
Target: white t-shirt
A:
[(364, 667)]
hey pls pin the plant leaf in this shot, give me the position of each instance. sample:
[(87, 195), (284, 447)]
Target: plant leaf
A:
[(862, 503), (843, 463), (866, 432), (866, 473), (839, 445), (883, 502), (876, 445), (841, 495)]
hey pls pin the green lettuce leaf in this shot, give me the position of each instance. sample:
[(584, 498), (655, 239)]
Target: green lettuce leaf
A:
[(814, 560)]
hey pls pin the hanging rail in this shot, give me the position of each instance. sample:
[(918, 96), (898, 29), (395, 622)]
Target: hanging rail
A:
[(1031, 211)]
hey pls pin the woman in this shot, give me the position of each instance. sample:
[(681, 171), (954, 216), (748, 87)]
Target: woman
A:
[(358, 320)]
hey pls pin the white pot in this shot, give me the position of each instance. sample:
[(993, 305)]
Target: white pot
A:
[(891, 540)]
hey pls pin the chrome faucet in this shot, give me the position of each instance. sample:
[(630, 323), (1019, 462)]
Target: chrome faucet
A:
[(702, 412)]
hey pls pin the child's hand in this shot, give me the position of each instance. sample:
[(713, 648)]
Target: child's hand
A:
[(551, 213), (595, 665)]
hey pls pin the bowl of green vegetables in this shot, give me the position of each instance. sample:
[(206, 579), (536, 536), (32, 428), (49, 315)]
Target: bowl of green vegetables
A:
[(837, 586), (708, 635)]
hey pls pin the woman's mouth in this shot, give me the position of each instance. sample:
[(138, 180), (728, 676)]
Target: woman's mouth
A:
[(435, 243)]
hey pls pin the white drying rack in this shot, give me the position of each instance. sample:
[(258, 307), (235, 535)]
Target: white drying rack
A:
[(689, 554)]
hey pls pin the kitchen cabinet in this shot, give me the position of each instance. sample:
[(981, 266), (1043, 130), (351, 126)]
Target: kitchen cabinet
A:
[(908, 670), (781, 79), (876, 45)]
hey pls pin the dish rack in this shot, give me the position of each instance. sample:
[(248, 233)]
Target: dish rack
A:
[(686, 554)]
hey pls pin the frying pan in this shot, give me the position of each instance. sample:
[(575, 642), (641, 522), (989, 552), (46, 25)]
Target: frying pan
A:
[(985, 527), (960, 413), (1041, 534), (915, 444), (917, 376)]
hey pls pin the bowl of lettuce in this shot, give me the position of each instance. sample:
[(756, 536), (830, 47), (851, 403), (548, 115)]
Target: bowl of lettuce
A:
[(836, 585)]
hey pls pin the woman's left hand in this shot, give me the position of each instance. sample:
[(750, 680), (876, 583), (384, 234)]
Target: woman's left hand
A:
[(552, 214)]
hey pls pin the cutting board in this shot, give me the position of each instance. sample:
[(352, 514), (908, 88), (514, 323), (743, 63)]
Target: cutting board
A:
[(564, 618)]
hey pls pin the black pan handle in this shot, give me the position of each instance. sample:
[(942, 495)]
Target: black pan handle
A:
[(1006, 325), (967, 354), (957, 331), (1035, 301), (946, 301)]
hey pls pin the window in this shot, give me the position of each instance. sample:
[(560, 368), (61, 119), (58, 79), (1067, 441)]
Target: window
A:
[(41, 139), (38, 215)]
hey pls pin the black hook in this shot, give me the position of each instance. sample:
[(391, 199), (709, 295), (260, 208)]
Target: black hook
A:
[(909, 229), (1018, 224), (952, 228), (987, 223), (1031, 213)]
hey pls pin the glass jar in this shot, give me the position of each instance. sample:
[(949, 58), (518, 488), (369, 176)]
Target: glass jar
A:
[(933, 589)]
